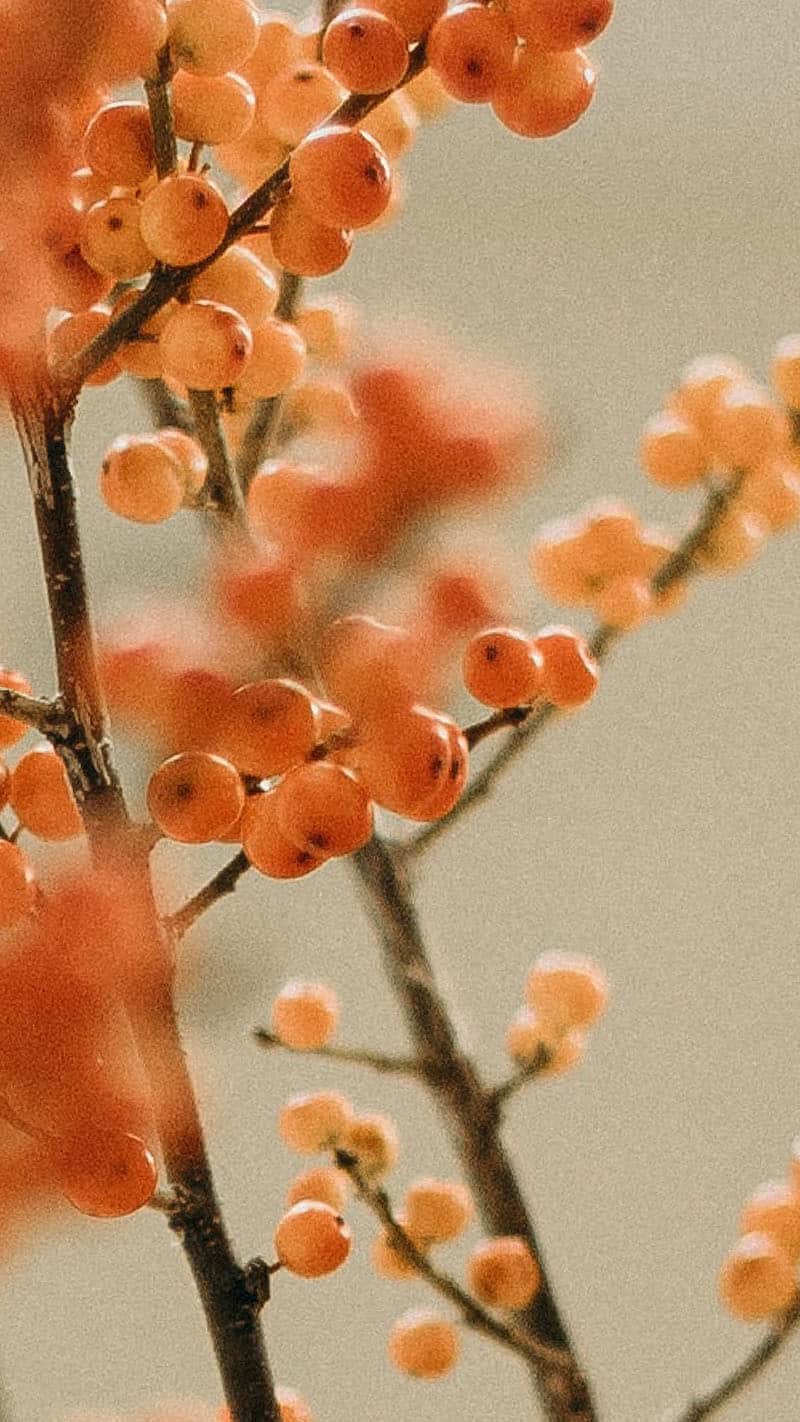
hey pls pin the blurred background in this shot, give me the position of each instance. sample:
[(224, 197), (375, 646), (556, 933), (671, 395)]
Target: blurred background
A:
[(656, 831)]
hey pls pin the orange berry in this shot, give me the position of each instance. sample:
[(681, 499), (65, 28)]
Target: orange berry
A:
[(387, 1261), (278, 47), (118, 144), (341, 176), (327, 327), (321, 1182), (438, 1210), (746, 427), (304, 246), (10, 730), (393, 126), (298, 99), (365, 50), (291, 1406), (17, 884), (112, 241), (69, 335), (735, 540), (86, 188), (304, 1015), (212, 108), (559, 24), (373, 1140), (757, 1279), (312, 1239), (206, 346), (556, 564), (415, 17), (142, 355), (195, 797), (426, 92), (503, 1273), (624, 602), (322, 405), (267, 848), (105, 1173), (308, 1124), (240, 281), (423, 1345), (41, 796), (184, 218), (543, 93), (701, 386), (471, 48), (566, 991), (5, 784), (772, 492), (501, 667), (672, 453), (405, 761), (211, 36), (324, 809), (276, 360), (569, 671), (272, 726), (527, 1035), (192, 458), (774, 1210), (141, 479), (261, 593), (785, 370)]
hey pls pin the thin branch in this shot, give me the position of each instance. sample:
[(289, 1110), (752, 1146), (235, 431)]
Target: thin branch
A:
[(166, 410), (224, 882), (46, 716), (734, 1382), (222, 492), (513, 1083), (264, 424), (167, 282), (160, 103), (528, 721), (472, 1312), (472, 1117), (379, 1061)]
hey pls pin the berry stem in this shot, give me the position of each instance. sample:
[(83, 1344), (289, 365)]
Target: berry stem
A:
[(160, 104), (472, 1312), (43, 425), (263, 428), (522, 1076), (222, 493), (471, 1114), (734, 1382), (379, 1061), (46, 716), (165, 409)]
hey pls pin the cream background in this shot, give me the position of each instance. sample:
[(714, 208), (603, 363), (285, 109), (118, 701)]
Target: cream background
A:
[(657, 831)]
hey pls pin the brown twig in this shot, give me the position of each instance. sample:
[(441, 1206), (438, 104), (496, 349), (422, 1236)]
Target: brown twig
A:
[(160, 103), (734, 1382), (165, 409), (46, 716), (222, 492), (513, 1083), (358, 1056), (472, 1312), (224, 882), (472, 1117), (264, 424)]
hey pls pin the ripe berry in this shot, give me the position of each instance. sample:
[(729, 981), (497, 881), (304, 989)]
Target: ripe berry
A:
[(503, 1273), (570, 673), (184, 219), (312, 1239), (104, 1173), (746, 427), (240, 281), (276, 360), (471, 48), (195, 797), (772, 492), (774, 1210), (317, 1122), (321, 1182), (672, 453), (206, 346), (17, 884), (415, 17), (304, 1015), (373, 1140), (502, 667), (701, 386), (365, 50), (112, 241), (387, 1261), (438, 1210), (278, 46), (393, 126), (559, 24), (298, 99), (265, 845), (327, 327), (212, 108), (10, 730), (41, 796), (324, 809), (118, 144), (423, 1345), (211, 36), (69, 335), (341, 176), (757, 1279), (141, 479), (272, 726), (304, 246), (542, 94), (192, 458), (624, 602), (566, 991)]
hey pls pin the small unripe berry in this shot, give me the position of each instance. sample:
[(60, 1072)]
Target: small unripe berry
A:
[(312, 1239), (774, 1210), (373, 1140), (438, 1210), (423, 1344), (312, 1123), (757, 1279), (304, 1015), (503, 1272), (322, 1182), (566, 991)]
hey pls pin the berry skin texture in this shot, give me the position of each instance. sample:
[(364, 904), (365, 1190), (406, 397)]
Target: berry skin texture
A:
[(438, 1210), (272, 726), (757, 1279), (672, 452), (559, 24), (239, 280), (566, 992), (501, 667), (471, 48), (308, 1124), (268, 850), (298, 99), (112, 241), (305, 1015), (12, 731), (322, 1182), (17, 885), (570, 673), (118, 144), (423, 1345), (41, 796), (503, 1273), (211, 36), (105, 1173), (212, 108), (324, 809), (141, 479), (206, 346), (544, 93), (365, 50), (184, 219), (774, 1210), (373, 1140), (304, 246), (195, 797), (341, 176), (312, 1239), (277, 359)]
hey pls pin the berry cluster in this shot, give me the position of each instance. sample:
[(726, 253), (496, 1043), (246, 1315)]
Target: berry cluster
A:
[(564, 997), (759, 1276)]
